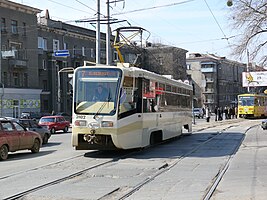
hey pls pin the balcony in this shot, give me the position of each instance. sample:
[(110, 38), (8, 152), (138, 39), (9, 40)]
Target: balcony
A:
[(209, 101), (209, 80), (19, 59), (18, 63), (210, 91), (208, 70), (8, 54)]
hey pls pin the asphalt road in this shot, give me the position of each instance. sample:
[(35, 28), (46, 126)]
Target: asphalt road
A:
[(220, 160)]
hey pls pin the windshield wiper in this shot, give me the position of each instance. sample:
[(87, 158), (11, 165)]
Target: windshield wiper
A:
[(102, 106)]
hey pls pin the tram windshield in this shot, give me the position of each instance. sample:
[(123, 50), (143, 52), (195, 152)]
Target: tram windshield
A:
[(96, 90), (246, 101)]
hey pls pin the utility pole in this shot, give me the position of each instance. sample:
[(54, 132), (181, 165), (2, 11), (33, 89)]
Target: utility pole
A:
[(248, 65), (2, 85), (108, 36), (98, 33)]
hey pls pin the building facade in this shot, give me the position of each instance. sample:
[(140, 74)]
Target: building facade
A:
[(18, 59), (217, 80), (77, 45), (166, 60)]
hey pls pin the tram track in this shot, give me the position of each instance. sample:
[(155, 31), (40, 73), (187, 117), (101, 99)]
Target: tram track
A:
[(166, 167), (39, 167), (19, 195), (222, 171), (124, 193)]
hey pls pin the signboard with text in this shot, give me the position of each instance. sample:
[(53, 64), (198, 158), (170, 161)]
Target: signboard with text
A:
[(254, 79)]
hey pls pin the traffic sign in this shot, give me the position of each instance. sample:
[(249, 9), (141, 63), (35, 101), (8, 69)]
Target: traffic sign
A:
[(61, 53)]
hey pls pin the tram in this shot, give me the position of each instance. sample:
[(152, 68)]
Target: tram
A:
[(252, 105), (136, 108)]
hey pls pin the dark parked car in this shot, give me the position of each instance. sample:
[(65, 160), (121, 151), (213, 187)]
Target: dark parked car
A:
[(264, 124), (14, 137), (66, 116), (33, 125), (30, 115), (55, 123)]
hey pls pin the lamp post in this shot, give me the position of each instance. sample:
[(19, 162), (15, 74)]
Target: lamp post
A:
[(229, 3), (68, 70)]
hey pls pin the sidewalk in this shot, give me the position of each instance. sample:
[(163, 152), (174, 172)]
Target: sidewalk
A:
[(203, 124)]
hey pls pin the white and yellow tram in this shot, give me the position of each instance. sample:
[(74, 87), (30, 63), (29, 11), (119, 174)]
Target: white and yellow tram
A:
[(139, 108)]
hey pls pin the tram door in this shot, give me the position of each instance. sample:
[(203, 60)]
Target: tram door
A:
[(16, 109)]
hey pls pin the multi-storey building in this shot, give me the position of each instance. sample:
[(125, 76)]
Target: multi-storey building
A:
[(18, 59), (166, 60), (217, 80), (32, 76), (78, 45)]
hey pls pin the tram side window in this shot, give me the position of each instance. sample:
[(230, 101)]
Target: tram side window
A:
[(150, 98), (128, 97)]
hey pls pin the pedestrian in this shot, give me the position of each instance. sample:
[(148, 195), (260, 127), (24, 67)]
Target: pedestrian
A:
[(207, 114), (216, 113), (226, 112), (236, 112), (220, 112)]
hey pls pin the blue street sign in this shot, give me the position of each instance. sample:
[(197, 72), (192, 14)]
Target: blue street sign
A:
[(61, 53)]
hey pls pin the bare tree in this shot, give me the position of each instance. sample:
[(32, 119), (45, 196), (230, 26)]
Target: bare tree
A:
[(249, 18)]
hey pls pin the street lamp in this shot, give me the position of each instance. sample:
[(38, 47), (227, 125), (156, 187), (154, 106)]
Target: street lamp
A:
[(2, 95), (229, 3), (68, 70)]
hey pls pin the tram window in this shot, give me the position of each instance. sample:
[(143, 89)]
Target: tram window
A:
[(162, 86), (168, 88), (129, 97), (173, 89)]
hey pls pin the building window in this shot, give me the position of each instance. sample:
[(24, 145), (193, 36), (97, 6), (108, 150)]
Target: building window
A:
[(116, 56), (24, 28), (92, 53), (65, 46), (55, 45), (103, 54), (188, 66), (5, 78), (25, 80), (16, 78), (3, 25), (74, 50), (45, 104), (160, 59), (45, 85), (65, 64), (42, 43), (14, 26), (44, 65), (83, 51)]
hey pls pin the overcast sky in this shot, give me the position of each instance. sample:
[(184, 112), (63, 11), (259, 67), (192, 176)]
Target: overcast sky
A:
[(195, 25)]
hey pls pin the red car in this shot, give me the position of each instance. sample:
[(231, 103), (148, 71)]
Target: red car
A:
[(14, 137), (55, 123)]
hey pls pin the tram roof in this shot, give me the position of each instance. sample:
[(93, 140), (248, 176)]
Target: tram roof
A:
[(138, 72)]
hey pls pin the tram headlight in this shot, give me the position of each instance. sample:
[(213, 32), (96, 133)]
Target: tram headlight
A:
[(106, 124), (80, 123)]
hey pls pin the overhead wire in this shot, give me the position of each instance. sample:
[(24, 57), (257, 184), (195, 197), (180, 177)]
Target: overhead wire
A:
[(154, 7), (67, 6), (225, 37)]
